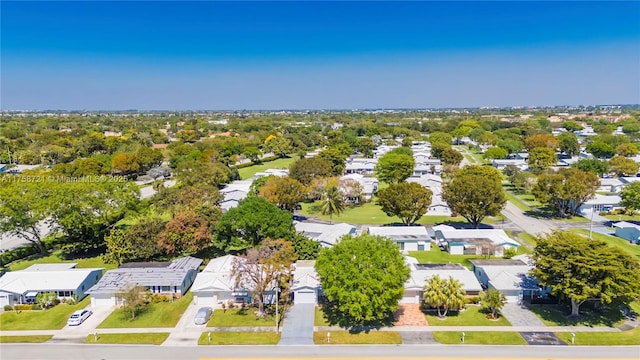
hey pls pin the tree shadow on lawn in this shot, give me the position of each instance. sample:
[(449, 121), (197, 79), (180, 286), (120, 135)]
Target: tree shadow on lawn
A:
[(335, 317), (605, 315)]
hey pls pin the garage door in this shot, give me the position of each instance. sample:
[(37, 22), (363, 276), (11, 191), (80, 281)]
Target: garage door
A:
[(102, 301), (305, 297)]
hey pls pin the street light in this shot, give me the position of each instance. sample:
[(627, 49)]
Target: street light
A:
[(591, 222), (277, 301)]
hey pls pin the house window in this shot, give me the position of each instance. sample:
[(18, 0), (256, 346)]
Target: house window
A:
[(420, 247), (401, 245), (165, 289)]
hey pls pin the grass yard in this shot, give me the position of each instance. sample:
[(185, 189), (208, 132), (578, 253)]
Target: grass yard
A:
[(516, 201), (51, 319), (345, 337), (319, 318), (137, 217), (128, 338), (528, 238), (479, 338), (165, 314), (623, 217), (472, 316), (631, 337), (556, 315), (239, 338), (94, 262), (249, 171), (237, 317), (33, 339), (632, 249), (437, 256)]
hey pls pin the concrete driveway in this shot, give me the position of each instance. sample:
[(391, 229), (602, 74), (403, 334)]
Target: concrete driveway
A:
[(186, 331), (77, 333), (297, 328)]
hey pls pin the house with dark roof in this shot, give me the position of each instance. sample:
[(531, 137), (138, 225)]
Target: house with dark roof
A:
[(167, 278)]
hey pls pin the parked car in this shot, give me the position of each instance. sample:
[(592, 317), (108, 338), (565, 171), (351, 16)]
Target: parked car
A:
[(78, 317), (203, 315)]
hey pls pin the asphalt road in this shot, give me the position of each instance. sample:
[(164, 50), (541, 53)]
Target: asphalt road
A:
[(124, 352), (526, 223)]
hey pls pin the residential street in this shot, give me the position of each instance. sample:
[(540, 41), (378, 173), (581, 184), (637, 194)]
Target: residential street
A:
[(528, 224)]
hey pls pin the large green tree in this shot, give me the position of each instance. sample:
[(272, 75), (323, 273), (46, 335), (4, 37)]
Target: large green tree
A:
[(394, 168), (284, 192), (493, 300), (568, 143), (542, 158), (598, 167), (253, 220), (194, 172), (363, 278), (408, 201), (475, 192), (631, 197), (307, 169), (566, 189), (139, 242), (623, 166), (336, 159), (581, 269)]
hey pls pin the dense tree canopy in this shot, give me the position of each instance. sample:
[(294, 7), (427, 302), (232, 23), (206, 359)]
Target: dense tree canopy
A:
[(565, 190), (284, 192), (631, 196), (475, 192), (622, 166), (307, 169), (363, 278), (581, 269), (542, 158), (408, 201), (568, 143), (394, 168), (598, 167)]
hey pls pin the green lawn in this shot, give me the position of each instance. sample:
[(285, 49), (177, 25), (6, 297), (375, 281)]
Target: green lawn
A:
[(528, 238), (345, 337), (623, 217), (631, 337), (51, 319), (517, 202), (128, 338), (94, 262), (632, 249), (236, 317), (319, 318), (165, 314), (239, 338), (437, 256), (370, 213), (25, 339), (479, 337), (557, 315), (249, 171), (137, 217), (472, 316)]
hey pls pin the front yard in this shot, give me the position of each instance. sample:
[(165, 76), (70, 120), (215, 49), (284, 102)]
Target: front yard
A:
[(32, 339), (479, 338), (166, 314), (632, 249), (239, 338), (320, 320), (237, 317), (128, 338), (631, 337), (345, 337), (438, 256), (51, 319), (472, 316), (556, 315)]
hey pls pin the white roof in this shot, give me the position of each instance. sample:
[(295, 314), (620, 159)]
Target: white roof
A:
[(51, 267), (241, 185), (418, 278), (626, 224), (610, 182), (305, 276), (20, 282), (226, 205), (497, 236), (326, 234), (420, 231), (216, 276), (509, 277), (221, 264), (604, 200)]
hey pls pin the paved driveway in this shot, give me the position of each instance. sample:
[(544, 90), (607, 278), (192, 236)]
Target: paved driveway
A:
[(77, 333), (541, 338), (297, 328), (520, 316)]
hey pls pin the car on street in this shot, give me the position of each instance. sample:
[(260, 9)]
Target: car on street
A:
[(203, 315), (78, 317)]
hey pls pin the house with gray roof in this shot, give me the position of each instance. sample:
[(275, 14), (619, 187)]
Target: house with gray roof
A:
[(510, 277), (167, 278), (326, 234), (473, 241), (628, 231), (306, 287), (408, 238)]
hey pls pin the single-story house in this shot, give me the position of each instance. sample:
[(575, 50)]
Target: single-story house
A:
[(420, 273), (215, 284), (509, 276), (306, 287), (22, 287), (408, 238), (610, 185), (473, 241), (628, 231), (434, 183), (501, 164), (369, 184), (600, 203), (361, 166), (3, 168), (168, 278), (326, 234)]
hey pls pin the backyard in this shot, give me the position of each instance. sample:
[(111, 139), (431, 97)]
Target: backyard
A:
[(93, 262), (249, 171), (164, 314), (438, 256), (51, 319)]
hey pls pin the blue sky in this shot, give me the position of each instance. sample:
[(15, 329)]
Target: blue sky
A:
[(316, 55)]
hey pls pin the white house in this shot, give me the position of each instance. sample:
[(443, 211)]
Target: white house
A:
[(434, 183), (420, 273), (628, 231), (600, 203), (167, 278), (501, 164), (363, 166), (22, 287), (306, 285), (326, 234), (510, 277), (369, 184), (473, 241), (610, 185), (408, 238), (216, 284)]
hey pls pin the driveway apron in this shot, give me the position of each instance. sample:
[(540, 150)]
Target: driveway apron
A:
[(297, 328)]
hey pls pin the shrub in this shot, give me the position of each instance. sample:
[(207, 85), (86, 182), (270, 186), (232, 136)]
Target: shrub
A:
[(36, 307), (47, 300), (23, 307), (8, 308), (475, 300), (509, 253)]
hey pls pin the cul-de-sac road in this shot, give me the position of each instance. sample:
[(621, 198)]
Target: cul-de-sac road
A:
[(404, 352)]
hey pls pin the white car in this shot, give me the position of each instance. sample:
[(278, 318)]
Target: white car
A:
[(78, 317)]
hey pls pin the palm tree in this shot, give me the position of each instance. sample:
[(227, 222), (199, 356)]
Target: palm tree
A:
[(455, 295), (493, 300), (332, 202), (444, 295)]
